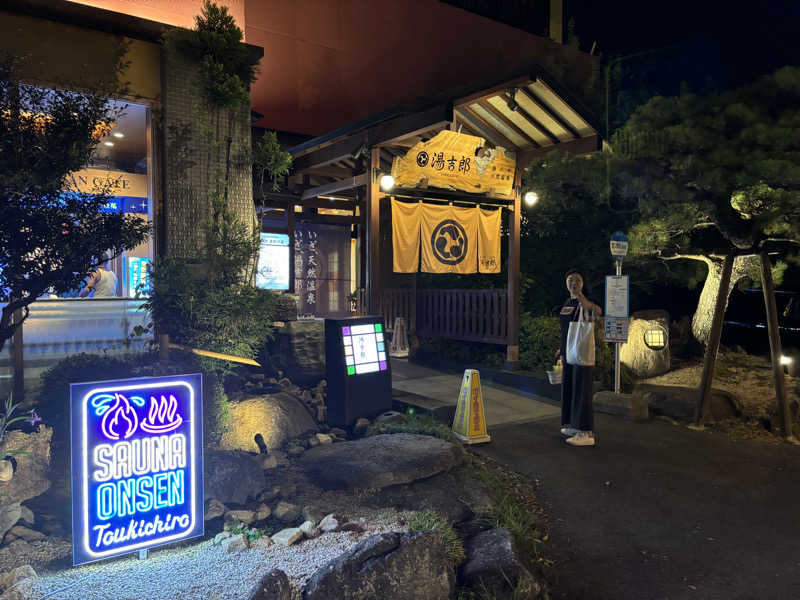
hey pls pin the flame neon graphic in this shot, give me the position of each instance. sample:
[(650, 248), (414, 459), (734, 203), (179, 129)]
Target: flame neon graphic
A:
[(162, 416), (120, 419)]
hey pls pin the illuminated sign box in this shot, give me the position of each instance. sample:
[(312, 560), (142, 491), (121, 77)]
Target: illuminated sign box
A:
[(273, 262), (137, 464), (358, 371)]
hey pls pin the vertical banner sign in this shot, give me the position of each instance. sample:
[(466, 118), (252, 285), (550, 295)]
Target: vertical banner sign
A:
[(469, 423), (137, 464)]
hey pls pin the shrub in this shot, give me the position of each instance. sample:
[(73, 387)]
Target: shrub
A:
[(454, 352), (422, 424), (539, 338), (427, 520)]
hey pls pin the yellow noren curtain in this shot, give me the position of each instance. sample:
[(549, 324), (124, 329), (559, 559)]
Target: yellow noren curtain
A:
[(405, 236), (489, 241), (449, 239)]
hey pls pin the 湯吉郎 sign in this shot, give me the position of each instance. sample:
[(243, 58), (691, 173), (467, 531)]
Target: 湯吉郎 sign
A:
[(137, 464)]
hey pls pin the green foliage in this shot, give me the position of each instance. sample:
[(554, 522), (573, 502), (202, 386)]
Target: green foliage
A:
[(435, 351), (50, 240), (509, 508), (227, 69), (8, 419), (539, 338), (414, 423), (428, 520), (52, 401), (251, 533), (210, 304), (270, 161)]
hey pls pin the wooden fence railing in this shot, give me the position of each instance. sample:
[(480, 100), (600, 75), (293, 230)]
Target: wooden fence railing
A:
[(468, 315)]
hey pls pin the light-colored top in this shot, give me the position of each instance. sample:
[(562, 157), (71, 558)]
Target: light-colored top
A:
[(105, 285)]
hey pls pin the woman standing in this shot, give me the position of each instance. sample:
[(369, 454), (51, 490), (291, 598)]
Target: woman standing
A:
[(577, 414)]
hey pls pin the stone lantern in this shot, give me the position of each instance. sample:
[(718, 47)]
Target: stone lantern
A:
[(647, 351)]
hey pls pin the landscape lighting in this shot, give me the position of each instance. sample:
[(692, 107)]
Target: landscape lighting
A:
[(108, 143), (531, 198), (387, 182), (118, 134), (786, 360)]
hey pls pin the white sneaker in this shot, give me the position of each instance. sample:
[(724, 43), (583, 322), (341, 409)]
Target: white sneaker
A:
[(569, 431), (582, 438)]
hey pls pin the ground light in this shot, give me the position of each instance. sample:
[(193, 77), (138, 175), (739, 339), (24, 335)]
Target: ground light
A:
[(531, 198), (387, 182)]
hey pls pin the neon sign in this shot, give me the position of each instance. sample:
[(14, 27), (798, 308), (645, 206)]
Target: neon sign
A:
[(137, 464)]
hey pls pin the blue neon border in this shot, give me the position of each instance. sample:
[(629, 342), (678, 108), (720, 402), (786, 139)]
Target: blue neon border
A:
[(77, 392)]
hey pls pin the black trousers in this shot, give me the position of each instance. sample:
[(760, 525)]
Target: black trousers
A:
[(576, 397)]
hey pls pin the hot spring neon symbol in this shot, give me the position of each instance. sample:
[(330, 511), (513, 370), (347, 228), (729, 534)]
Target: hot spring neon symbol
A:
[(137, 464)]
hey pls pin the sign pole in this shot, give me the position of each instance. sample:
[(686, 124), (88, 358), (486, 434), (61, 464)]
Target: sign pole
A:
[(617, 386), (617, 303)]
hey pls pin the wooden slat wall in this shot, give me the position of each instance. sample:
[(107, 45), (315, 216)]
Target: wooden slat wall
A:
[(467, 315)]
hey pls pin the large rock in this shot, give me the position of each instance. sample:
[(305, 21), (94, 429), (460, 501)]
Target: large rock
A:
[(285, 308), (30, 474), (380, 461), (277, 417), (680, 402), (632, 406), (647, 326), (304, 344), (232, 477), (9, 515), (273, 586), (400, 566), (492, 565)]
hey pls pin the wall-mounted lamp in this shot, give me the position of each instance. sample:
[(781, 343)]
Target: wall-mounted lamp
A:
[(511, 102), (530, 198), (387, 182)]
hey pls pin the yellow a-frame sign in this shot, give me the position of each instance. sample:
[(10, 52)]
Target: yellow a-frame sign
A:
[(469, 423)]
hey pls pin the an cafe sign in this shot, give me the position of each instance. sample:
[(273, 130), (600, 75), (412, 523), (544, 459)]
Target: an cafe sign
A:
[(137, 464), (458, 161)]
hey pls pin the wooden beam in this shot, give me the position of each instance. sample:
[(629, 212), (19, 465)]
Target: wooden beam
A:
[(497, 90), (773, 331), (587, 145), (373, 275), (537, 124), (508, 123), (540, 104), (488, 127), (336, 186), (331, 171), (514, 223), (382, 133), (330, 219), (402, 139)]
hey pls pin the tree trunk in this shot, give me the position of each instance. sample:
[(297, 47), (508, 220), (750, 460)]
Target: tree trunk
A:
[(704, 314)]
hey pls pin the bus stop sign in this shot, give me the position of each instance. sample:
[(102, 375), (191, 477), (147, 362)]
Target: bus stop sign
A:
[(619, 245)]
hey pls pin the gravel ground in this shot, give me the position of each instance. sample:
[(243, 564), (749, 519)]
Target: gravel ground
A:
[(200, 571)]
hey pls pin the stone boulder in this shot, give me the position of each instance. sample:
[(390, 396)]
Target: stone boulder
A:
[(643, 360), (679, 402), (232, 477), (285, 308), (277, 417), (380, 461), (632, 406), (400, 566), (30, 472), (303, 343), (273, 586), (492, 565)]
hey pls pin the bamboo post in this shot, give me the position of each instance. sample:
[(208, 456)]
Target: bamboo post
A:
[(512, 313), (773, 332), (704, 399), (163, 347), (373, 206), (19, 359)]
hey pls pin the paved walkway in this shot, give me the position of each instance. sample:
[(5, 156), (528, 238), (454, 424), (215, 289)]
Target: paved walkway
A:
[(655, 511), (437, 390)]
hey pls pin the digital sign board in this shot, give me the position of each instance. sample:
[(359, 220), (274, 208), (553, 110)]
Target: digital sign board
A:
[(364, 348), (137, 464), (273, 262), (358, 371)]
